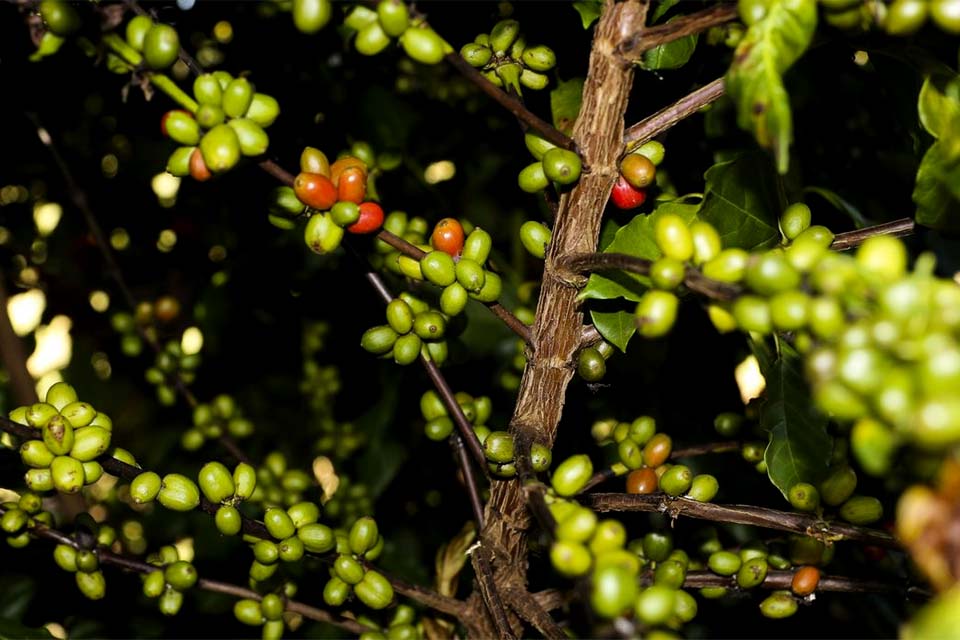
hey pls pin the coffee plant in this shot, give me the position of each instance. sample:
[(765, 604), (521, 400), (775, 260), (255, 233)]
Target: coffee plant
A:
[(696, 371)]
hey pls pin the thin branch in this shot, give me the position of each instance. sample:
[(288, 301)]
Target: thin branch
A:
[(525, 605), (476, 503), (783, 580), (491, 596), (652, 126), (647, 38), (511, 104), (107, 557), (695, 281), (686, 452), (467, 433), (849, 239), (426, 597), (13, 355), (803, 524)]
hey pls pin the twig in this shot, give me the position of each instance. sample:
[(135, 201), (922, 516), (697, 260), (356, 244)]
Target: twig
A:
[(525, 605), (849, 239), (783, 580), (652, 126), (647, 38), (740, 514), (511, 104), (13, 355), (491, 596), (695, 450), (472, 487), (107, 557), (695, 281), (425, 596)]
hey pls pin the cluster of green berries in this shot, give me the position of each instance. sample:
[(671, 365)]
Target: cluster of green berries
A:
[(170, 366), (505, 59), (20, 516), (158, 42), (337, 194), (266, 613), (391, 19), (439, 425), (553, 164), (212, 420), (412, 229), (837, 491), (278, 484), (880, 343), (906, 17), (167, 583), (457, 264), (592, 361), (413, 329), (338, 439), (402, 626), (70, 435), (351, 501), (174, 491), (349, 573), (295, 531), (229, 121), (141, 321), (82, 561)]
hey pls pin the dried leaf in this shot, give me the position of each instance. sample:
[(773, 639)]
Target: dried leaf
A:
[(451, 557), (326, 476)]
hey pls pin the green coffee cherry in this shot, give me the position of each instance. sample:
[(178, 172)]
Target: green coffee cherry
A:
[(795, 220), (309, 16), (35, 454), (348, 569), (180, 575), (429, 325), (670, 574), (476, 55), (145, 487), (13, 521), (66, 557), (220, 148), (374, 590), (804, 496), (423, 45), (578, 526), (92, 585), (724, 563), (704, 488), (317, 538), (477, 246), (498, 447), (263, 109), (657, 546), (770, 274), (79, 414), (667, 273), (228, 520), (58, 435), (728, 266), (161, 46), (535, 236), (66, 473), (570, 558), (252, 138), (178, 164), (778, 605), (752, 573), (178, 493), (470, 275), (491, 289), (399, 316), (838, 486), (608, 535), (539, 58), (237, 97), (266, 552), (291, 549), (303, 513), (216, 482), (371, 40), (279, 523), (752, 313), (503, 35), (182, 128), (394, 17), (673, 237), (656, 312), (136, 31), (532, 178), (613, 590), (363, 535), (677, 480), (244, 480), (905, 17), (336, 592), (590, 365), (655, 604), (407, 349), (89, 443), (438, 267), (861, 510), (40, 479), (571, 475), (59, 395), (561, 166), (630, 453), (322, 234), (248, 612), (207, 91)]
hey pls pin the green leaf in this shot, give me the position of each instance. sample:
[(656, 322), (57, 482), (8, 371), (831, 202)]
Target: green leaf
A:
[(672, 55), (755, 80), (636, 239), (741, 201), (12, 630), (607, 233), (841, 204), (938, 104), (589, 11), (799, 449), (937, 206), (616, 327), (565, 104)]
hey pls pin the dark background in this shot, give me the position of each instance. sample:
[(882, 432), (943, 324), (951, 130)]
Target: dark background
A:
[(857, 135)]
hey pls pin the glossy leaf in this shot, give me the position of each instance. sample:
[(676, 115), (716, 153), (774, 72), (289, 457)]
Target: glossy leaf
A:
[(799, 449), (671, 55), (565, 104), (937, 206), (755, 82), (589, 11), (741, 201), (939, 103), (840, 204), (636, 239), (616, 327)]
